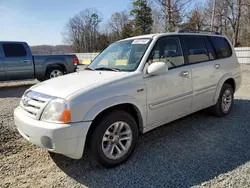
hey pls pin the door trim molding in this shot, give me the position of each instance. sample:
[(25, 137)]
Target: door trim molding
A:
[(204, 89), (170, 100)]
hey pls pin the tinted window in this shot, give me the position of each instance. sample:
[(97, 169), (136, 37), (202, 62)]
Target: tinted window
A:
[(14, 50), (196, 49), (168, 50), (211, 50), (222, 47), (1, 52)]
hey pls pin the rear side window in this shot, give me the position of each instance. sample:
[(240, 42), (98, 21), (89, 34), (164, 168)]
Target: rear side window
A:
[(211, 50), (221, 46), (196, 49), (14, 50)]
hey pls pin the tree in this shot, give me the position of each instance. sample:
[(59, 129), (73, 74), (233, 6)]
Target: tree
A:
[(128, 30), (195, 21), (103, 41), (118, 22), (228, 17), (142, 14), (174, 12), (81, 32), (234, 18), (158, 21)]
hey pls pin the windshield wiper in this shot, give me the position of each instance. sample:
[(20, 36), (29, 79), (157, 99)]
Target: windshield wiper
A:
[(108, 68)]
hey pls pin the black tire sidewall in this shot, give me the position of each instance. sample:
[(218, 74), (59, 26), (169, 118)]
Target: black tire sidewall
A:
[(96, 140), (219, 105), (51, 69)]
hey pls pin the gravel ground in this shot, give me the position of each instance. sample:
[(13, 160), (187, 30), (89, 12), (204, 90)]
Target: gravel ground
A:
[(196, 151)]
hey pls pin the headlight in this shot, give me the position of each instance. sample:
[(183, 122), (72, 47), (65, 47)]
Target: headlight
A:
[(57, 111)]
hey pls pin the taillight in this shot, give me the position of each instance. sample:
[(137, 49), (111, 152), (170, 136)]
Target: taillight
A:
[(76, 61)]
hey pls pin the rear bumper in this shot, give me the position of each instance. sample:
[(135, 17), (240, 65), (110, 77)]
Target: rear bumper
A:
[(66, 139)]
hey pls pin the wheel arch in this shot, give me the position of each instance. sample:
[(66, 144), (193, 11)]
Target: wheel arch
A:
[(99, 111), (60, 64), (227, 78)]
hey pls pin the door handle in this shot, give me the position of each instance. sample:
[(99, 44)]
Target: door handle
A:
[(25, 61), (184, 74), (217, 66)]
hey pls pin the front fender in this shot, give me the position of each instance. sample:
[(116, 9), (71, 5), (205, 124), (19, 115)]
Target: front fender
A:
[(110, 102), (220, 84)]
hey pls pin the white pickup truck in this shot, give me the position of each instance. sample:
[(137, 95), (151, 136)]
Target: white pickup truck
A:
[(132, 87)]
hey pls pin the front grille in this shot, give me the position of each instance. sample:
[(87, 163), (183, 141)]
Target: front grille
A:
[(34, 102)]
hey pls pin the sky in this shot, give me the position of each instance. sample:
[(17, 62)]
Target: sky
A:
[(40, 22)]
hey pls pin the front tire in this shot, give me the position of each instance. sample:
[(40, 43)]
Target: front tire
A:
[(114, 139), (225, 101)]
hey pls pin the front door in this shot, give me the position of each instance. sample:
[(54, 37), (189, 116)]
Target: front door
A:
[(168, 95), (18, 63)]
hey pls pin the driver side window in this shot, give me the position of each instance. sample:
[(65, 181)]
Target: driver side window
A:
[(168, 50)]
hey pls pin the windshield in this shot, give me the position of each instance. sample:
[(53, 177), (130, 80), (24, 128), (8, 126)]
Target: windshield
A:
[(121, 56)]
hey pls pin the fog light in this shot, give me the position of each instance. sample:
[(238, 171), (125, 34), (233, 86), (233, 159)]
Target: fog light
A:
[(47, 142)]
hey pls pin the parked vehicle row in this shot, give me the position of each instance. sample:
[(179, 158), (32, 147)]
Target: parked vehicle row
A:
[(135, 85), (18, 63)]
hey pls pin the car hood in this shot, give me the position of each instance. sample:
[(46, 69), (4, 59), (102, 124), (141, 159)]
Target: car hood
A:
[(64, 86)]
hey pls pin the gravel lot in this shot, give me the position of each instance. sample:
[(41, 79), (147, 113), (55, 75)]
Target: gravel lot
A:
[(198, 150)]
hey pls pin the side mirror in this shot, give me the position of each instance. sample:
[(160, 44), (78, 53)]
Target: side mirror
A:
[(157, 68)]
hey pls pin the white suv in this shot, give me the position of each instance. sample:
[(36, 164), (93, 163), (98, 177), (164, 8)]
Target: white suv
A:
[(132, 87)]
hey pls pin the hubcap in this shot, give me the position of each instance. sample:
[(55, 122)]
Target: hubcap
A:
[(55, 73), (117, 140), (226, 100)]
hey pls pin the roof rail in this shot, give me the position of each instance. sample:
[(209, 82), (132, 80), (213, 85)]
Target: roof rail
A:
[(196, 31)]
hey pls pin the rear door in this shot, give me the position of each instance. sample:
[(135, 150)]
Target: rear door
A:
[(204, 68), (224, 52), (18, 62), (2, 67)]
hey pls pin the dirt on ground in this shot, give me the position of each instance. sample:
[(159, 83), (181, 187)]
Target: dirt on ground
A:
[(196, 151)]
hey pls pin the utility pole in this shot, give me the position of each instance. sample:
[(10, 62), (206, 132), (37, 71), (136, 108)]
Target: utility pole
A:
[(213, 13)]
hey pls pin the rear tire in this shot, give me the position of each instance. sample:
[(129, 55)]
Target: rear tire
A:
[(114, 139), (225, 102), (53, 72)]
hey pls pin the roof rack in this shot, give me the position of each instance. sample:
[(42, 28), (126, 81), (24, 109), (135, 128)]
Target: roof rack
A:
[(196, 31)]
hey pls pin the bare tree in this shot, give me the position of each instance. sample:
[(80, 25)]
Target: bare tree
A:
[(228, 16), (71, 33), (82, 30), (196, 21), (158, 21), (234, 18), (174, 11), (117, 23)]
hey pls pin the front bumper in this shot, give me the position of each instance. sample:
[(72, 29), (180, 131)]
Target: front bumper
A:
[(66, 139)]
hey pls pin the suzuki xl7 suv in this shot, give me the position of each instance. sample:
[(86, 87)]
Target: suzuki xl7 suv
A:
[(133, 86)]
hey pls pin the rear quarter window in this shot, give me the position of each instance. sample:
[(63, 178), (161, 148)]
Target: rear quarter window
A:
[(222, 47), (14, 50)]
